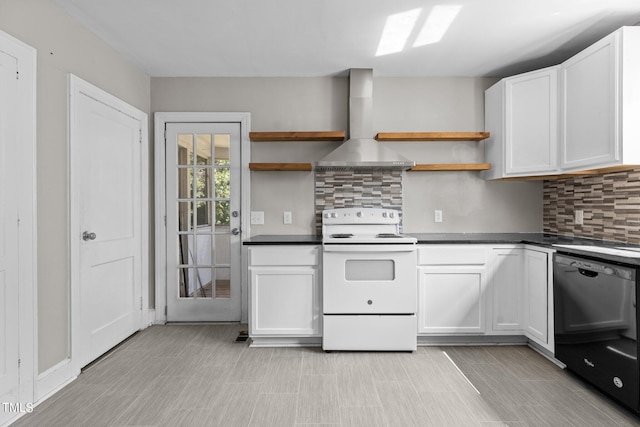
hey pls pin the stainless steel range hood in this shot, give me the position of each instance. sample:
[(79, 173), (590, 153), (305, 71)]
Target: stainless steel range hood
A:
[(361, 150)]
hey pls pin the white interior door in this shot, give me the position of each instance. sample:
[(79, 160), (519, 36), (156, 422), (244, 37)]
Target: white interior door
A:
[(106, 176), (203, 221), (9, 281)]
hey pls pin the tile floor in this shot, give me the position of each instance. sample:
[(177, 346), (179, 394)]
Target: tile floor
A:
[(195, 375)]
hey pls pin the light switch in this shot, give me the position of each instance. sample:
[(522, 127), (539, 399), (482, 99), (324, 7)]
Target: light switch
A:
[(257, 218), (579, 220)]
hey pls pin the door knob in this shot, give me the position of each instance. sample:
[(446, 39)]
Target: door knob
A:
[(235, 231), (88, 236)]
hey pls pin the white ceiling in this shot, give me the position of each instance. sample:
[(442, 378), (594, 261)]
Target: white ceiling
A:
[(328, 37)]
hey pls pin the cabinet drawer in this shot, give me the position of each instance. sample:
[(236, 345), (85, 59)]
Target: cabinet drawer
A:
[(452, 255), (284, 255)]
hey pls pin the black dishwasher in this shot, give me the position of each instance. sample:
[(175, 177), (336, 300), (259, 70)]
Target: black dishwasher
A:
[(596, 326)]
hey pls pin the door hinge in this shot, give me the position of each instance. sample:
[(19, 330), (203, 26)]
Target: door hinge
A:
[(165, 220), (140, 135), (17, 74), (19, 362), (140, 303), (165, 311)]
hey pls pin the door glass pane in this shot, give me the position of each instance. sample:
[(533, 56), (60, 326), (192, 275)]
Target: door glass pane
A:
[(222, 213), (223, 283), (185, 282), (185, 149), (204, 214), (223, 250), (223, 188), (203, 149), (222, 143), (185, 216), (185, 183), (186, 252), (204, 250), (203, 282), (203, 184)]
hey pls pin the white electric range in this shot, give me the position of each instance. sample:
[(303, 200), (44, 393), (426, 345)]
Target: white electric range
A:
[(369, 281)]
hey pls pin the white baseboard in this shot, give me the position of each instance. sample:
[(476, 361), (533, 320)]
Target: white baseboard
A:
[(54, 379)]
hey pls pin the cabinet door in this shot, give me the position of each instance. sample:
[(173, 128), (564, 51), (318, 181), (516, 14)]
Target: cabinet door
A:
[(590, 106), (536, 297), (285, 301), (451, 300), (531, 117), (506, 289)]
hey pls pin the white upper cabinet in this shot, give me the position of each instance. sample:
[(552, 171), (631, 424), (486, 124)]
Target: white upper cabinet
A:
[(579, 115), (600, 96), (521, 113)]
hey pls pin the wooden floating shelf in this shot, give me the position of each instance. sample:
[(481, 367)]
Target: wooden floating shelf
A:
[(451, 167), (432, 136), (297, 136), (289, 167)]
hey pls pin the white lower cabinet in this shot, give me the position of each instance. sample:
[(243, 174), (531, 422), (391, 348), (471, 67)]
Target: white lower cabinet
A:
[(451, 287), (521, 289), (285, 298), (491, 290), (537, 310), (507, 290), (463, 289)]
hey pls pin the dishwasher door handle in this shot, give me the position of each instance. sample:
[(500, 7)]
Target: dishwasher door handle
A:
[(588, 273)]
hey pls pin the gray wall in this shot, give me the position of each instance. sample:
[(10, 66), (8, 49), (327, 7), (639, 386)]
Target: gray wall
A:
[(63, 47), (469, 204)]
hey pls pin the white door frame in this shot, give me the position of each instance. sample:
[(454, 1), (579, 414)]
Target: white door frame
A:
[(77, 88), (160, 120), (26, 180)]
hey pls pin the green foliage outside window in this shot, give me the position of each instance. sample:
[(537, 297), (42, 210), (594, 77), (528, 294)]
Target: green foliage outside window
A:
[(222, 191)]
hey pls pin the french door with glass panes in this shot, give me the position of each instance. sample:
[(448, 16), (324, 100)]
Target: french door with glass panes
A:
[(203, 239)]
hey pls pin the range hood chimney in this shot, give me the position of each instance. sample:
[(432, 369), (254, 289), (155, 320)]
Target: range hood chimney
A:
[(361, 150)]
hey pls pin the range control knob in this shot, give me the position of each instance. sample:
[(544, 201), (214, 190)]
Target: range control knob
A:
[(359, 214), (392, 214), (334, 215), (327, 215), (384, 214)]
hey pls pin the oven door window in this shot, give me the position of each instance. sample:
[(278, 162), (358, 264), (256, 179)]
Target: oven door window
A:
[(370, 270)]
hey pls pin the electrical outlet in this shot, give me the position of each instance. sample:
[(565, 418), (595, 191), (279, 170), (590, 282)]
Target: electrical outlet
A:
[(257, 218), (287, 218), (437, 216), (579, 217)]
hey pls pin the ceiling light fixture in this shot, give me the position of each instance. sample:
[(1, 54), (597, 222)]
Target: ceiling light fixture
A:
[(396, 31), (437, 24)]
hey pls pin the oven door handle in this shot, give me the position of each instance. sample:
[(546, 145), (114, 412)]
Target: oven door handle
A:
[(369, 248)]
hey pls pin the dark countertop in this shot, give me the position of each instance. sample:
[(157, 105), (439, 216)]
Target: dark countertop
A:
[(284, 239), (538, 239)]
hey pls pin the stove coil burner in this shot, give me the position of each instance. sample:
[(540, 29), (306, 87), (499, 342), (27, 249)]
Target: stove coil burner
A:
[(341, 235), (387, 235)]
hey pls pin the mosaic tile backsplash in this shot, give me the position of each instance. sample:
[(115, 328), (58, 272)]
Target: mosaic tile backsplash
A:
[(356, 189), (611, 205)]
